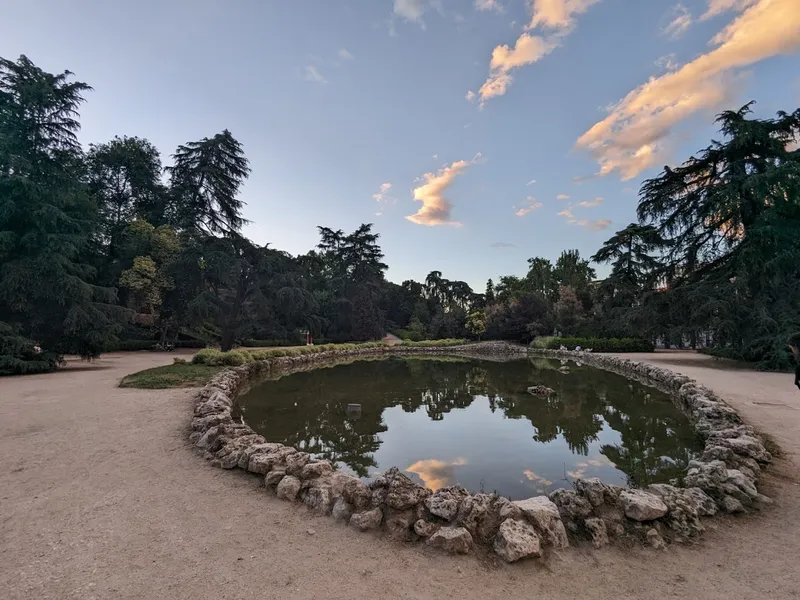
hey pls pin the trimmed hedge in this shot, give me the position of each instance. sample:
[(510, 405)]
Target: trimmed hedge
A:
[(599, 344)]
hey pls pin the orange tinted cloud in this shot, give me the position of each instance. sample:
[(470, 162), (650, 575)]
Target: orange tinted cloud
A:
[(436, 208), (635, 134)]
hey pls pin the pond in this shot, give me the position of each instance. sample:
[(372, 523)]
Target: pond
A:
[(448, 421)]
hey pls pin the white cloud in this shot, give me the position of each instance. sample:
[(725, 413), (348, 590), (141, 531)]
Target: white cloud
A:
[(528, 206), (667, 62), (470, 96), (636, 134), (594, 225), (718, 7), (562, 197), (345, 55), (681, 20), (597, 225), (558, 14), (409, 9), (313, 74), (383, 198), (531, 182), (435, 156), (529, 48), (436, 208), (484, 5), (589, 203)]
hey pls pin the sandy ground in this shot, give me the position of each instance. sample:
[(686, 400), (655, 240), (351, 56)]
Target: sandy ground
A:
[(102, 497)]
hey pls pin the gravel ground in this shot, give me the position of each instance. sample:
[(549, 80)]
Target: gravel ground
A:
[(102, 497)]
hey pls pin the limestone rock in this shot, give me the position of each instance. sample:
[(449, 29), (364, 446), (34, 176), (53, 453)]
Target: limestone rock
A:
[(480, 514), (747, 446), (709, 477), (544, 516), (402, 493), (516, 540), (445, 502), (597, 529), (455, 540), (318, 499), (740, 487), (357, 493), (296, 461), (683, 516), (642, 506), (314, 470), (206, 422), (399, 522), (705, 506), (273, 478), (597, 492), (288, 488), (252, 450), (655, 540), (731, 505), (425, 528), (276, 459), (368, 519), (572, 507)]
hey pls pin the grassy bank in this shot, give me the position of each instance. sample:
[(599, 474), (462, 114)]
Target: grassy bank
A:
[(178, 375)]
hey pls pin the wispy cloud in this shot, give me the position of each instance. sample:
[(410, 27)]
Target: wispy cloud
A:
[(484, 5), (436, 208), (593, 225), (311, 73), (556, 16), (413, 10), (383, 198), (718, 7), (531, 182), (562, 197), (589, 203), (667, 62), (344, 54), (636, 134), (528, 206), (680, 21), (502, 245)]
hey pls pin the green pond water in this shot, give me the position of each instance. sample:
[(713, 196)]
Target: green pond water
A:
[(472, 423)]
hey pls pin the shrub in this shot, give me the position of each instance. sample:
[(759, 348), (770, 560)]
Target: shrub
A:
[(233, 358), (544, 342), (408, 335), (271, 343), (600, 344), (436, 343), (206, 356), (179, 361)]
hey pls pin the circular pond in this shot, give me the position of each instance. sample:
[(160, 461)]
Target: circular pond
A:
[(448, 421)]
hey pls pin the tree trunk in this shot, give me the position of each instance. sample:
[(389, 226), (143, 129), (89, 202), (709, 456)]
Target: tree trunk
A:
[(227, 339)]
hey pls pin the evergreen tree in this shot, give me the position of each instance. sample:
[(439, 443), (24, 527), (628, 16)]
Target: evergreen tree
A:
[(204, 183), (47, 216)]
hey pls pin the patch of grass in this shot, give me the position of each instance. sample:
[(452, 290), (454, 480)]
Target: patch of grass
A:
[(171, 376)]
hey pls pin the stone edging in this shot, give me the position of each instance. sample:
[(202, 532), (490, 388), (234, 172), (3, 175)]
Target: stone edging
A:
[(456, 520)]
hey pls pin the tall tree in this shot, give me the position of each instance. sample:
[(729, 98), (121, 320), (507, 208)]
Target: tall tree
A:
[(205, 180), (731, 216), (47, 216)]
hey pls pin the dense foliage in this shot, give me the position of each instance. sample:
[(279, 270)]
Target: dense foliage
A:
[(108, 248), (595, 344)]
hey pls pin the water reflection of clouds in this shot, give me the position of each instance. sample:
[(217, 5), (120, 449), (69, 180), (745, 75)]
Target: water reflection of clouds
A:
[(582, 467), (436, 474), (540, 483)]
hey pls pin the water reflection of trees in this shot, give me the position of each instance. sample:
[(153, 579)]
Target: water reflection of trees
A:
[(308, 410)]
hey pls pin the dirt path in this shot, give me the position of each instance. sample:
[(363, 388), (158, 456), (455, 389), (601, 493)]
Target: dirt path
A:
[(100, 500)]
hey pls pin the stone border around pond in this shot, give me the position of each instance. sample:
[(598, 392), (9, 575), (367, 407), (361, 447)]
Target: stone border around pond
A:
[(455, 520)]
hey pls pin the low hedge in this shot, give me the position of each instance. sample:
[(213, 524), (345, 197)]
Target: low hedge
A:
[(271, 343), (235, 358), (436, 343), (599, 344), (408, 335)]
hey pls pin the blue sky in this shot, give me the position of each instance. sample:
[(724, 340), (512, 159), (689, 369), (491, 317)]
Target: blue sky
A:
[(485, 111)]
